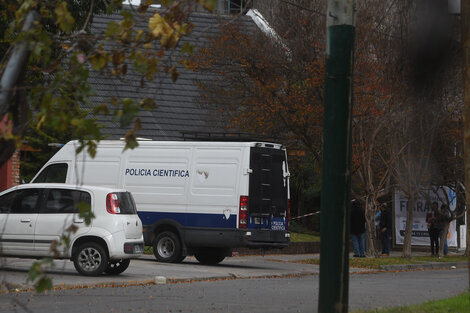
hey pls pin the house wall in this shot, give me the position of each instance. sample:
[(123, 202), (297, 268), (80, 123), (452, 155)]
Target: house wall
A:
[(10, 172)]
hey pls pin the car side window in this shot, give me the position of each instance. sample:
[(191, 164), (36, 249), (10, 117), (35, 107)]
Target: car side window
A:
[(60, 201), (6, 201), (54, 173), (26, 201)]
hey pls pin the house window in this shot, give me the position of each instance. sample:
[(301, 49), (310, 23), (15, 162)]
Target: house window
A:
[(233, 7)]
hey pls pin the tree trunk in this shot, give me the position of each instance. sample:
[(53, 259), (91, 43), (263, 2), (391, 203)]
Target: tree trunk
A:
[(409, 227), (371, 237), (465, 20)]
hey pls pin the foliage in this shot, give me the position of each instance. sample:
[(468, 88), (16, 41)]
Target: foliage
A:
[(309, 225), (265, 87), (41, 144), (53, 87)]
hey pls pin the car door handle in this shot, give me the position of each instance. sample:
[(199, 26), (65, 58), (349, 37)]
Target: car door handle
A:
[(25, 220), (78, 221)]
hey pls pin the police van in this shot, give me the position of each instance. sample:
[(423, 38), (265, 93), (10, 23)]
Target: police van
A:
[(201, 198)]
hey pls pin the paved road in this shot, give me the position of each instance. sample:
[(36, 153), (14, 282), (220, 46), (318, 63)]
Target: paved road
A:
[(146, 269), (298, 294)]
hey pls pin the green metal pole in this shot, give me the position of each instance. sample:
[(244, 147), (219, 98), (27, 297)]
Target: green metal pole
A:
[(336, 176)]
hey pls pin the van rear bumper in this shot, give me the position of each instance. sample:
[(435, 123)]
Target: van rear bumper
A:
[(235, 238)]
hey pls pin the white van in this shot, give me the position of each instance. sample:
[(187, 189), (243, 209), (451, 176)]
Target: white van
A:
[(201, 198)]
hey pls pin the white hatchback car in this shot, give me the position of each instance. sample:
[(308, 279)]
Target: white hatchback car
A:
[(36, 217)]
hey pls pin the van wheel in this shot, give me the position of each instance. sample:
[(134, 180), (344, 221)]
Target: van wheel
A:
[(90, 259), (117, 267), (210, 256), (167, 248)]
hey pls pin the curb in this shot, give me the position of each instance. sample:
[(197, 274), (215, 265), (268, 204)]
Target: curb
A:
[(430, 265)]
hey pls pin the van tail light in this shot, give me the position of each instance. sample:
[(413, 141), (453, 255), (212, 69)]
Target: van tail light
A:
[(112, 203), (288, 215), (243, 212)]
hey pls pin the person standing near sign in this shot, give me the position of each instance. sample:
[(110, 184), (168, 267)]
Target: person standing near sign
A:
[(443, 222), (358, 229), (385, 229), (432, 218)]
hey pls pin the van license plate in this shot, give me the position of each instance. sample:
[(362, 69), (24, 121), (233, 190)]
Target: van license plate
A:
[(277, 225)]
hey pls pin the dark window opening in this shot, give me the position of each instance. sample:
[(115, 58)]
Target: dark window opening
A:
[(61, 201), (54, 173), (26, 201)]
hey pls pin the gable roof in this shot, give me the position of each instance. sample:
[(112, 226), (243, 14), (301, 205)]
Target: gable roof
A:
[(178, 109)]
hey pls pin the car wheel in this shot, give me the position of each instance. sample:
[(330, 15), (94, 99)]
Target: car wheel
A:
[(90, 259), (117, 267), (167, 247), (210, 256)]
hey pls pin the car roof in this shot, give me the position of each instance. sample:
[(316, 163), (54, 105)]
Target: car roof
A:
[(66, 186)]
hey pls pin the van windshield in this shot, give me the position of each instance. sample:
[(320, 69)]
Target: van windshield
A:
[(126, 203)]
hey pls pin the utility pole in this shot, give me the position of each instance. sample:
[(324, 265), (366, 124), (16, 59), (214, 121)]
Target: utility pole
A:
[(465, 20), (336, 176)]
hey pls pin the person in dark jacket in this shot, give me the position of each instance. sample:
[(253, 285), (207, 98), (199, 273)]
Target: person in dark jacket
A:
[(432, 218), (385, 229), (358, 229)]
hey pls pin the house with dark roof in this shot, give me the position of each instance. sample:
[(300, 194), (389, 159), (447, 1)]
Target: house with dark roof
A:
[(179, 114)]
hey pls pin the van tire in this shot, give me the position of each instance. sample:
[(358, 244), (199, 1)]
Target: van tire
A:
[(167, 248), (90, 259), (210, 256), (117, 267)]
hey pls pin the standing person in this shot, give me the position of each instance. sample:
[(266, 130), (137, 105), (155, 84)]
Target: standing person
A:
[(358, 229), (432, 218), (443, 220), (377, 227), (385, 229)]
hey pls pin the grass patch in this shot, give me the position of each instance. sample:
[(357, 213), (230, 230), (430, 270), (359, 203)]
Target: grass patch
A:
[(148, 250), (457, 304), (303, 237), (377, 263)]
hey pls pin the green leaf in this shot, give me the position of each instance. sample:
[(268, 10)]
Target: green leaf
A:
[(187, 48), (43, 284), (34, 271), (98, 60), (209, 5), (101, 108), (64, 18), (85, 212), (148, 104), (118, 58), (128, 113), (113, 29), (131, 140)]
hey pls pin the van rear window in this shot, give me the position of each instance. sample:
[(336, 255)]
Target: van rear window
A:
[(126, 203)]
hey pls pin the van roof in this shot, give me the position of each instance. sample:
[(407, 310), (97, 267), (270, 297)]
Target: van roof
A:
[(67, 186), (150, 143)]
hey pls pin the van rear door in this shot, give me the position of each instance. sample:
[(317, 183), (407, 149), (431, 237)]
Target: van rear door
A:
[(268, 188)]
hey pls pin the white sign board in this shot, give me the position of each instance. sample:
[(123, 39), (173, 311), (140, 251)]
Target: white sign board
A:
[(420, 236)]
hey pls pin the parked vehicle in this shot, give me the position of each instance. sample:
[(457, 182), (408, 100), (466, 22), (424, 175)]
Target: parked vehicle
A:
[(36, 217), (201, 198)]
